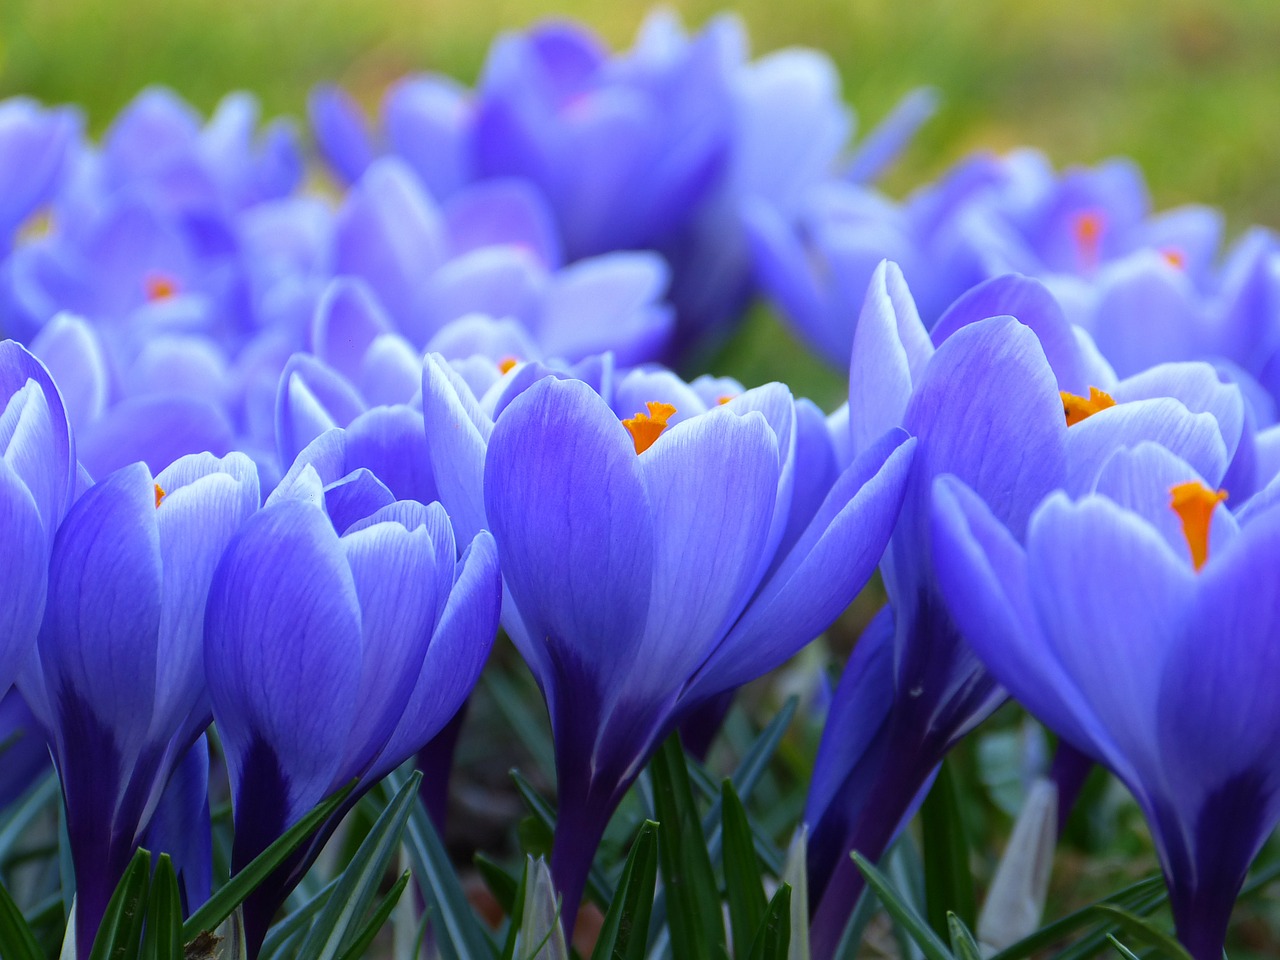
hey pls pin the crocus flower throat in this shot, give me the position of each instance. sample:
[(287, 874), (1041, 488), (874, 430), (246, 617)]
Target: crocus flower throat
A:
[(645, 428), (1194, 504)]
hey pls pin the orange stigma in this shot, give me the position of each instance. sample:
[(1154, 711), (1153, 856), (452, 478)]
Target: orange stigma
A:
[(1194, 503), (1174, 258), (645, 428), (1081, 408), (160, 495), (1088, 226), (722, 400), (160, 286), (506, 363)]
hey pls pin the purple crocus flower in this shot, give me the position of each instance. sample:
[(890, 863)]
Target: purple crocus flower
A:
[(35, 150), (37, 484), (378, 622), (119, 685), (645, 574), (913, 688), (1139, 623)]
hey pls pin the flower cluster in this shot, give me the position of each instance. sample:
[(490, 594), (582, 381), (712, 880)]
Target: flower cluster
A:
[(279, 462)]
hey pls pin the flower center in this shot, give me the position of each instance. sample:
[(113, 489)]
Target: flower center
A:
[(645, 428), (160, 286), (160, 495), (1088, 226), (506, 363), (1194, 503), (1174, 258), (1081, 408)]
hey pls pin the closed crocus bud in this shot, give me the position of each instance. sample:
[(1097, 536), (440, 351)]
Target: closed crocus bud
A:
[(120, 679), (37, 482), (334, 657)]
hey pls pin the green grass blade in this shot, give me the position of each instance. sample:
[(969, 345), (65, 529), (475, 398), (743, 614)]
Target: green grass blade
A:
[(948, 881), (163, 937), (773, 939), (364, 937), (1121, 949), (963, 945), (337, 924), (121, 929), (224, 902), (901, 911), (297, 920), (16, 939), (459, 935), (1144, 930), (743, 884), (624, 935), (693, 899)]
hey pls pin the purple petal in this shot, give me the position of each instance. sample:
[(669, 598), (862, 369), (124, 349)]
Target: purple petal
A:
[(502, 212), (457, 433), (348, 319), (341, 131)]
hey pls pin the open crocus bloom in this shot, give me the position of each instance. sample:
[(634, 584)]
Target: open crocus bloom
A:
[(1139, 622), (643, 563)]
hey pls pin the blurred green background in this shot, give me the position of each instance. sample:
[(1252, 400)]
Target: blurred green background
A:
[(1190, 88)]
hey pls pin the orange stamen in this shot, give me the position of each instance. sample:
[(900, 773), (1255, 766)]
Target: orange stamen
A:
[(645, 428), (160, 495), (506, 363), (1081, 408), (1194, 504), (160, 286), (724, 399), (1088, 226), (1174, 258)]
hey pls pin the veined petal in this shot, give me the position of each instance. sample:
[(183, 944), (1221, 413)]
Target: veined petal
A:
[(24, 564), (394, 572), (457, 433), (282, 633), (574, 530), (1198, 387), (1194, 437), (822, 574), (712, 483), (1218, 717), (890, 351), (457, 653), (206, 500), (101, 629), (1112, 598)]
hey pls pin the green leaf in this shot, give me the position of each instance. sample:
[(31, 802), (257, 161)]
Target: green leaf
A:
[(796, 873), (624, 935), (693, 900), (501, 884), (1060, 929), (336, 925), (459, 935), (163, 937), (1122, 949), (236, 890), (1145, 931), (773, 938), (1090, 944), (298, 919), (948, 882), (742, 879), (598, 886), (963, 945), (516, 914), (118, 935), (16, 939), (18, 818), (901, 911), (381, 912), (541, 933)]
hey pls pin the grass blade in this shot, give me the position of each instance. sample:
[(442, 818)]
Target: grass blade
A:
[(773, 939), (948, 881), (743, 885), (16, 939), (163, 937), (121, 929), (624, 935), (381, 912), (901, 911)]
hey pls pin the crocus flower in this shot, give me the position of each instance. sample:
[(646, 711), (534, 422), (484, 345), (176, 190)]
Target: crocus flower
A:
[(37, 484), (36, 146), (913, 688), (378, 623), (645, 575), (120, 681), (1139, 623)]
